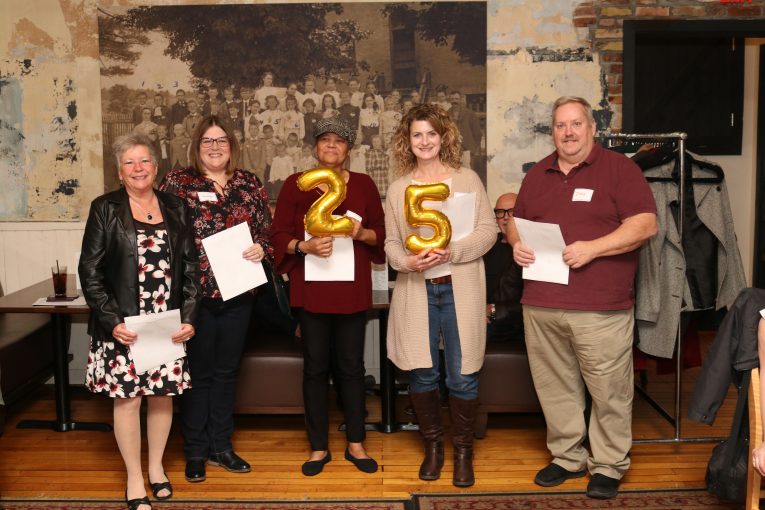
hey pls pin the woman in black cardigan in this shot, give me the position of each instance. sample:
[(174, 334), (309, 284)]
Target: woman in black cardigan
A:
[(138, 257)]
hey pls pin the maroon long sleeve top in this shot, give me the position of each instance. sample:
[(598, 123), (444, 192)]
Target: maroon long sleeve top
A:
[(363, 199)]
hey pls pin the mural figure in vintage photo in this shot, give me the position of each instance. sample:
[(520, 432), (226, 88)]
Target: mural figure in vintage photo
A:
[(170, 75)]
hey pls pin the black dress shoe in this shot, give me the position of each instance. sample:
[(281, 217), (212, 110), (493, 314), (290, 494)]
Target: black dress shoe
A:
[(602, 487), (365, 465), (229, 461), (314, 467), (195, 470), (554, 474)]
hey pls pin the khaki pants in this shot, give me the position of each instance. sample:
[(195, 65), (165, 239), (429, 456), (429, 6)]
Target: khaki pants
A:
[(569, 349)]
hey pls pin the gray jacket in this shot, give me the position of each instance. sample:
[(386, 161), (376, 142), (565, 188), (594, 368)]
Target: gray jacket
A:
[(661, 287)]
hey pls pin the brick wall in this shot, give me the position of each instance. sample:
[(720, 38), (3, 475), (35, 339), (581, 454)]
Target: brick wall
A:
[(603, 21)]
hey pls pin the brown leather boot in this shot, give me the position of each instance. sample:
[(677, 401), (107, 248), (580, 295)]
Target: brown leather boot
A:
[(427, 405), (463, 413)]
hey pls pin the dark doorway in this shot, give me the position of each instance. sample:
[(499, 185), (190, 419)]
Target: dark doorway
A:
[(687, 76)]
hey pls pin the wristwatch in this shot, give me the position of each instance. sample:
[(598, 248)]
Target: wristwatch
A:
[(298, 251), (493, 312)]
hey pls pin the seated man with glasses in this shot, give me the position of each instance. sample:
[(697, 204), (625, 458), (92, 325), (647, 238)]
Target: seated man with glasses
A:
[(504, 283)]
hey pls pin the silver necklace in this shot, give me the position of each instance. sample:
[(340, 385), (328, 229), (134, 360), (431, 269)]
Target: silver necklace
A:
[(149, 216)]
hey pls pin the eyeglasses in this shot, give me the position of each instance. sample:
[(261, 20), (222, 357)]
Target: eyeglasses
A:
[(501, 213), (208, 142)]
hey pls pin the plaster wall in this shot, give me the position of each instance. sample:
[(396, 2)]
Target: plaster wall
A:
[(50, 50), (535, 56)]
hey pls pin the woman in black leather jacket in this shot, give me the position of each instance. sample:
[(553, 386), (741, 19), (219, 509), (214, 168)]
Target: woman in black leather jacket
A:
[(138, 257)]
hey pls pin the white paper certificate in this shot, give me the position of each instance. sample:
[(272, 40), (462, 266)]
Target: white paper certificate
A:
[(234, 274), (154, 347), (460, 209), (547, 242), (339, 266)]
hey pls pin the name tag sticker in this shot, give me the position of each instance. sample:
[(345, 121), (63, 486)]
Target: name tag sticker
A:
[(582, 195), (207, 196)]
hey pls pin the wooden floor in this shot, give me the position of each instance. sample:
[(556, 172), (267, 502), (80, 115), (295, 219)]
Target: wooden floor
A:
[(43, 464)]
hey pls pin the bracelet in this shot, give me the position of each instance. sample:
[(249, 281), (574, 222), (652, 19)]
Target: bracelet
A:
[(298, 251)]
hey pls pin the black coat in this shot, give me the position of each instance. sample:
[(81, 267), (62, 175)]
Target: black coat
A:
[(109, 262), (733, 352)]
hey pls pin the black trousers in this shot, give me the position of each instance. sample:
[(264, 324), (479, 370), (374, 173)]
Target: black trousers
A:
[(336, 340), (207, 409)]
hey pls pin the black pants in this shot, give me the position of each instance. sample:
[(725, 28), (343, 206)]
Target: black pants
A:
[(207, 409), (340, 336)]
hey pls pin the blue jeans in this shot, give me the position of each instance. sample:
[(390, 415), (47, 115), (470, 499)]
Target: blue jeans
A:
[(442, 322)]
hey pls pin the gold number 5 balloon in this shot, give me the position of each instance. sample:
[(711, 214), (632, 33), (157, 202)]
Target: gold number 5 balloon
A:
[(416, 216), (318, 220)]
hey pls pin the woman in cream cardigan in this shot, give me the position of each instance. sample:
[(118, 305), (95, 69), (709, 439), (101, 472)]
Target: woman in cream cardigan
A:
[(439, 294)]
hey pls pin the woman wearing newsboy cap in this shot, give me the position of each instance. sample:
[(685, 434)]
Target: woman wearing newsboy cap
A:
[(332, 314)]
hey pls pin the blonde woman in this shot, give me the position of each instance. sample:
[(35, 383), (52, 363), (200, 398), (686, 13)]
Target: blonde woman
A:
[(440, 293)]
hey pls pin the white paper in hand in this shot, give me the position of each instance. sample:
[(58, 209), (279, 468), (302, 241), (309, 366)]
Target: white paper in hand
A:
[(460, 209), (547, 242), (233, 273), (154, 346), (339, 266)]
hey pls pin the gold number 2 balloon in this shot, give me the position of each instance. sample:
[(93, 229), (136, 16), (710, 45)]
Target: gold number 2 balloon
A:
[(318, 220), (416, 216)]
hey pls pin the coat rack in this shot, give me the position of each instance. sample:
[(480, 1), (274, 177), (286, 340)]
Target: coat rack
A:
[(675, 420)]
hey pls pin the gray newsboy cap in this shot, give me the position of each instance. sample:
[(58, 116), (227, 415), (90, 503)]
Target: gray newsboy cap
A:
[(335, 125)]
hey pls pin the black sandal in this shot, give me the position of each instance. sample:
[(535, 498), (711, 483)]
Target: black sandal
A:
[(133, 504), (156, 487)]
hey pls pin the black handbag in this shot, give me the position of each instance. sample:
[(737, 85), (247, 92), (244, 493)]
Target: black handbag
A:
[(729, 463), (280, 289)]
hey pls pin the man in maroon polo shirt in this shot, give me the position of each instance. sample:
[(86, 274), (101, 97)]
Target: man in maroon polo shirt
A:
[(580, 335)]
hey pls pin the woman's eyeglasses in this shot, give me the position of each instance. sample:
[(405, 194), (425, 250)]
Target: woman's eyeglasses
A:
[(208, 142), (501, 213)]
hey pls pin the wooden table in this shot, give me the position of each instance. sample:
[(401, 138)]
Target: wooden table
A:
[(61, 318)]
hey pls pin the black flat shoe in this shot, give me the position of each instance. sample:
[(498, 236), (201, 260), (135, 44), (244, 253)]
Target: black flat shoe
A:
[(195, 470), (133, 504), (229, 461), (160, 486), (365, 465), (314, 467)]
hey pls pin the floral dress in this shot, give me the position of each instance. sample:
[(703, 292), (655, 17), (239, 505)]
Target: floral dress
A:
[(110, 365)]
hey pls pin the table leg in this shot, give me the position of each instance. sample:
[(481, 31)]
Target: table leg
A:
[(63, 423), (388, 423)]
